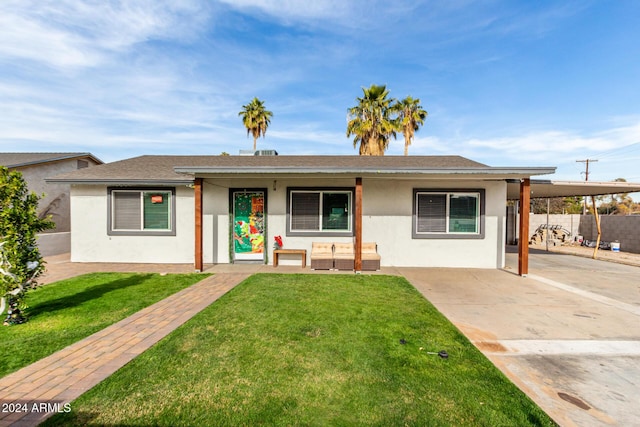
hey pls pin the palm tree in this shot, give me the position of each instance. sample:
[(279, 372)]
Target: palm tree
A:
[(410, 116), (371, 121), (256, 119)]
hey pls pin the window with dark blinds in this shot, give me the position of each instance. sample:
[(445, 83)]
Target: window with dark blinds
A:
[(448, 214), (141, 211), (320, 211)]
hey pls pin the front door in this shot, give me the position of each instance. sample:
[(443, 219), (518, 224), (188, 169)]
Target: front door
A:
[(249, 227)]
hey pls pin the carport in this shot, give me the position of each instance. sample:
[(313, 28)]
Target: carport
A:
[(526, 189)]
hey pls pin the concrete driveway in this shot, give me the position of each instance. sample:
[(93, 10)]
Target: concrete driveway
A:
[(568, 334)]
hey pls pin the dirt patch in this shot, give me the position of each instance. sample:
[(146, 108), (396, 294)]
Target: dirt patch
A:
[(491, 346), (475, 334)]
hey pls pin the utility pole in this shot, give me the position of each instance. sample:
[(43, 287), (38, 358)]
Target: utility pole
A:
[(586, 178)]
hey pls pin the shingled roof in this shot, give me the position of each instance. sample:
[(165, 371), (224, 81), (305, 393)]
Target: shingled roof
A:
[(17, 160), (182, 169)]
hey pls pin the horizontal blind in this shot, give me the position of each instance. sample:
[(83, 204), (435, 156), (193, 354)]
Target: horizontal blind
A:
[(126, 210), (305, 211), (431, 216)]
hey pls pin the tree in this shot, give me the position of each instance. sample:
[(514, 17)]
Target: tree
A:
[(557, 205), (411, 116), (256, 119), (372, 121), (618, 204), (20, 259)]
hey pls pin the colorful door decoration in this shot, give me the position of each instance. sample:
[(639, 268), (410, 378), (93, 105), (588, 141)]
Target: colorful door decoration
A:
[(248, 225)]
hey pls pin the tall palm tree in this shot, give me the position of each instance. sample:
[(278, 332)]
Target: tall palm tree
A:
[(410, 117), (371, 121), (256, 119)]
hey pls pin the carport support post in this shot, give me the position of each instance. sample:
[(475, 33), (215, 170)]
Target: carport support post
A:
[(358, 227), (197, 187), (596, 215), (523, 240)]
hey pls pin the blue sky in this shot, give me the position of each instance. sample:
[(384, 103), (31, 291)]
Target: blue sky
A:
[(506, 83)]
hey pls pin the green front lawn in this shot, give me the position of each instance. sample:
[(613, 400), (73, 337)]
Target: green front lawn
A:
[(64, 312), (310, 350)]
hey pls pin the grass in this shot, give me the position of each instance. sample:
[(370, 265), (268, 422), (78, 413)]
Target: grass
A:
[(64, 312), (310, 350)]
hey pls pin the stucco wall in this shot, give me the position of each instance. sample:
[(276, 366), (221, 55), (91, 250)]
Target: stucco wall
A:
[(387, 220), (387, 216), (91, 243), (54, 243), (56, 201)]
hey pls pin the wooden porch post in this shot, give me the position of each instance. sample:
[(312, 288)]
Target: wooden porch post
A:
[(358, 226), (523, 239), (198, 221)]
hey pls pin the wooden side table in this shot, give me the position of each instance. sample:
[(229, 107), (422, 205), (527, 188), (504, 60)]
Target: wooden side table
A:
[(301, 252)]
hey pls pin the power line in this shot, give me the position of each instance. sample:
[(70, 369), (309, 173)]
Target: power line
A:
[(586, 174), (620, 150)]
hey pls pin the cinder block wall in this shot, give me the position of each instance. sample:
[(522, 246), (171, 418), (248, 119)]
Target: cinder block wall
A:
[(568, 222), (624, 229)]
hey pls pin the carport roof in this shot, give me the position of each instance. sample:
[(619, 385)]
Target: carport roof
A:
[(549, 189)]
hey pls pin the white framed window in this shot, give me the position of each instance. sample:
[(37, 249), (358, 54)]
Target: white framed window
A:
[(326, 212), (134, 211), (448, 214)]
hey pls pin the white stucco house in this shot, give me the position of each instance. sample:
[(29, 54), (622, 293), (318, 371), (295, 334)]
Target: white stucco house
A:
[(422, 211)]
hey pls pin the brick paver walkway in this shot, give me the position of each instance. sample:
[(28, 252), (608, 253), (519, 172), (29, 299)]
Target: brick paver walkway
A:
[(34, 393)]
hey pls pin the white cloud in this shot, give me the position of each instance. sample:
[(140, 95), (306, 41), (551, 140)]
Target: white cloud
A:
[(295, 9), (553, 144), (76, 33), (616, 147)]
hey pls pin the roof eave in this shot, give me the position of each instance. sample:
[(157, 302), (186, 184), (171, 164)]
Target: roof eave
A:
[(139, 182), (56, 159), (507, 171)]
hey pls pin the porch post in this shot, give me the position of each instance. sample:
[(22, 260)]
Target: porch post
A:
[(198, 221), (358, 226), (523, 239)]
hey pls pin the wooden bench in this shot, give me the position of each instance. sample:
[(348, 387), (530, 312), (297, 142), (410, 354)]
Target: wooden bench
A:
[(301, 252)]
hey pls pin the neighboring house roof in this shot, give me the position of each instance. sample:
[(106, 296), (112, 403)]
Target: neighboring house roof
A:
[(18, 160), (542, 189), (182, 169)]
